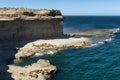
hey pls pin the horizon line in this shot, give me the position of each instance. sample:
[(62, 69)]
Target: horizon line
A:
[(90, 15)]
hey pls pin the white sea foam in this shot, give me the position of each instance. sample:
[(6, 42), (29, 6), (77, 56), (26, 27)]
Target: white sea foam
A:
[(41, 54), (113, 36), (117, 30), (108, 40), (100, 42), (38, 54), (50, 52), (95, 44)]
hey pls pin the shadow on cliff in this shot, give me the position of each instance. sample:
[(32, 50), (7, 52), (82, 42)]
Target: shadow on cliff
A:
[(7, 56)]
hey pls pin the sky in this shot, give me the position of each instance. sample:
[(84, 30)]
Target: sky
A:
[(69, 7)]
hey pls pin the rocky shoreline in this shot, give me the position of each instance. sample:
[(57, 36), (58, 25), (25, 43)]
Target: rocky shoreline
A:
[(43, 70), (48, 46)]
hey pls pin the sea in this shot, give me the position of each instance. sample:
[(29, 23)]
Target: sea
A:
[(99, 62)]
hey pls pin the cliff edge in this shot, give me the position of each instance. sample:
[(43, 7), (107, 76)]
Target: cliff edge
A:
[(28, 14), (22, 24)]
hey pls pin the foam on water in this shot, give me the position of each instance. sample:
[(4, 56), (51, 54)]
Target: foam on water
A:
[(50, 52), (100, 42), (41, 54), (106, 40), (117, 30), (38, 54)]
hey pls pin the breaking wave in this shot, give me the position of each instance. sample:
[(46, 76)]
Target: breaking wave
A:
[(105, 40)]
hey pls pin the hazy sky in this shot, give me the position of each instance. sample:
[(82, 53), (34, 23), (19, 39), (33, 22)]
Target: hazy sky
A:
[(69, 7)]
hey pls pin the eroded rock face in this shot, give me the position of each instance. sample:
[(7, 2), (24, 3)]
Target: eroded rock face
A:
[(42, 70), (21, 24)]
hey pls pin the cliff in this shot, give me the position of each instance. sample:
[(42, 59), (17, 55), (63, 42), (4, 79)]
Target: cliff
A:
[(21, 24)]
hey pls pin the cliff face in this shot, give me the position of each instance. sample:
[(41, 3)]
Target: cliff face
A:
[(21, 24)]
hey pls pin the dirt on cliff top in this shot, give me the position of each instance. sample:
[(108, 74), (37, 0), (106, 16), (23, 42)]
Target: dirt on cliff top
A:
[(22, 13)]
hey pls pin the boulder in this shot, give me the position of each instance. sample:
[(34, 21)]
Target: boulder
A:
[(42, 70)]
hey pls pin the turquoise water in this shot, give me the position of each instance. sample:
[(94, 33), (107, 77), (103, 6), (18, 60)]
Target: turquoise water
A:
[(100, 62)]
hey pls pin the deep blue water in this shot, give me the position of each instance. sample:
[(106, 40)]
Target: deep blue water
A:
[(91, 21), (101, 62)]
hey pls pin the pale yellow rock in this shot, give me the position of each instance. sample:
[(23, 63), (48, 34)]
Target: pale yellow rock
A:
[(42, 70), (51, 45)]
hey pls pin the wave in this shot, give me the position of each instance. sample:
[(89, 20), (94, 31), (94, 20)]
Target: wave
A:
[(41, 54), (108, 40), (105, 40), (50, 52), (101, 42), (38, 54), (117, 30)]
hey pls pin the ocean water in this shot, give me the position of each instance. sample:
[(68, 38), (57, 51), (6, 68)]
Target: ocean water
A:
[(100, 62)]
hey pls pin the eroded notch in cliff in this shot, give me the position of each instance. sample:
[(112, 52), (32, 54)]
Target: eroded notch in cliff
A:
[(29, 13)]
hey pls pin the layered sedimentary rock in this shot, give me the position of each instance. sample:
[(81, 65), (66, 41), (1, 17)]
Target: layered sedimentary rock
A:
[(21, 24), (42, 70)]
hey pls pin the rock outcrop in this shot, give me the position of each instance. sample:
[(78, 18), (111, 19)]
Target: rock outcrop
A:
[(42, 70), (22, 24), (51, 46)]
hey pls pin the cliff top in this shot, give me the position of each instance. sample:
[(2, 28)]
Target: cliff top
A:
[(28, 14)]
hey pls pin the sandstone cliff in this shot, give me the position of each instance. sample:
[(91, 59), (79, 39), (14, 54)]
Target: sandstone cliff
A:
[(21, 24)]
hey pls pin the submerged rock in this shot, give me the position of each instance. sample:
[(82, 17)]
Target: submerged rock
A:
[(42, 70)]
